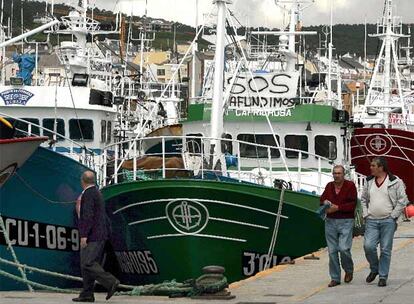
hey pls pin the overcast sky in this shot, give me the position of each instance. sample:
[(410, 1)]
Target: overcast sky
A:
[(263, 12)]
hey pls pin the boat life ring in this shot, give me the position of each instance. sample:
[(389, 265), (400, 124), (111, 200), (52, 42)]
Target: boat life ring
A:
[(192, 162), (260, 175)]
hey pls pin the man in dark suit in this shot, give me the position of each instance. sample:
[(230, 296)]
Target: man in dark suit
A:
[(94, 231)]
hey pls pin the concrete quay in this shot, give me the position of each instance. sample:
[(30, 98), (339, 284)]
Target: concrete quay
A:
[(305, 282)]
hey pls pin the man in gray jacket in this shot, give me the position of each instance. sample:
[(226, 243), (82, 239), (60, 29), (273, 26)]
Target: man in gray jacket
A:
[(383, 201)]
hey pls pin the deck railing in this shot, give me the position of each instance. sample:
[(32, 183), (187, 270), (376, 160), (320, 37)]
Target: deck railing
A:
[(306, 172), (86, 156)]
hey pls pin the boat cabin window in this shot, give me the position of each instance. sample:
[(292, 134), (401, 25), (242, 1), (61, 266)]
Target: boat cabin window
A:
[(298, 142), (108, 131), (81, 129), (103, 131), (25, 126), (227, 145), (325, 146), (258, 152), (194, 145), (49, 123)]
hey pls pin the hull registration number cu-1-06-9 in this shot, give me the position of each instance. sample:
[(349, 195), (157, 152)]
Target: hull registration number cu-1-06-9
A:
[(24, 233)]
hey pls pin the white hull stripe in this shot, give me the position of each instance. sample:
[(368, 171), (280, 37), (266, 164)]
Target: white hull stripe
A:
[(197, 235), (199, 200), (386, 155), (393, 146), (386, 135), (211, 218), (148, 220), (237, 222)]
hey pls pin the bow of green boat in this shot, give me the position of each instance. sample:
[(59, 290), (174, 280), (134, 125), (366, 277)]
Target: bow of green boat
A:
[(170, 229)]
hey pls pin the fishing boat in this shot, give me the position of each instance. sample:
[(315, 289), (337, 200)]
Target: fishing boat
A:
[(14, 151), (73, 118), (235, 194), (76, 110), (31, 182), (388, 112)]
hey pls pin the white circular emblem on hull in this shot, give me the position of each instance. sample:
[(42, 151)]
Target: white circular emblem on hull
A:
[(187, 216)]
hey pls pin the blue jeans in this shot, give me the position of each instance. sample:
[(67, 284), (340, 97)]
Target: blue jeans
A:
[(338, 233), (379, 232)]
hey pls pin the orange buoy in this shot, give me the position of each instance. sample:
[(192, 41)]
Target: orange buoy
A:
[(409, 211)]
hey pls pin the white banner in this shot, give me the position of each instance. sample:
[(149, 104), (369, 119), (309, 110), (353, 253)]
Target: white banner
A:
[(266, 91)]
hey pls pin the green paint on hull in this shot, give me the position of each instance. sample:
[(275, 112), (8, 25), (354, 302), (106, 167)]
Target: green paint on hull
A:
[(301, 113), (241, 219)]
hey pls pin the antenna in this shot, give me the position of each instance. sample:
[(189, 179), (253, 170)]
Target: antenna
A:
[(330, 45), (1, 13), (194, 53), (21, 23), (365, 54), (11, 18), (296, 8)]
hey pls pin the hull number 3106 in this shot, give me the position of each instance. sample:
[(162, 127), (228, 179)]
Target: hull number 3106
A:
[(254, 262)]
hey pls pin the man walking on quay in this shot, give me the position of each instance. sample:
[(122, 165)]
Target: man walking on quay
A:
[(341, 196), (94, 231), (383, 201)]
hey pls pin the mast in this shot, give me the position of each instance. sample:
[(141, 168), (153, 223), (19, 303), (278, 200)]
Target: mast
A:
[(296, 7), (329, 81), (387, 59), (387, 64), (292, 28), (195, 50), (11, 19), (365, 56), (141, 64), (143, 40), (217, 103), (84, 5)]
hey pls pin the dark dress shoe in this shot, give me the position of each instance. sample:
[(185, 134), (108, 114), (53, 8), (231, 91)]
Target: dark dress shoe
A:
[(348, 277), (382, 282), (112, 290), (84, 299), (334, 283), (371, 277)]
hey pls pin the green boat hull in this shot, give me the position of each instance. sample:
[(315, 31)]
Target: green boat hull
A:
[(170, 229)]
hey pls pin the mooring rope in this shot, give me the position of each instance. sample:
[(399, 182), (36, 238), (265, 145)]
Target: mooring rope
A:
[(275, 230), (35, 284), (51, 273), (210, 283), (10, 248), (28, 186)]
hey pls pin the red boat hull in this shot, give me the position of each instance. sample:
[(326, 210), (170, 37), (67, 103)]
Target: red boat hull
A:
[(396, 146)]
